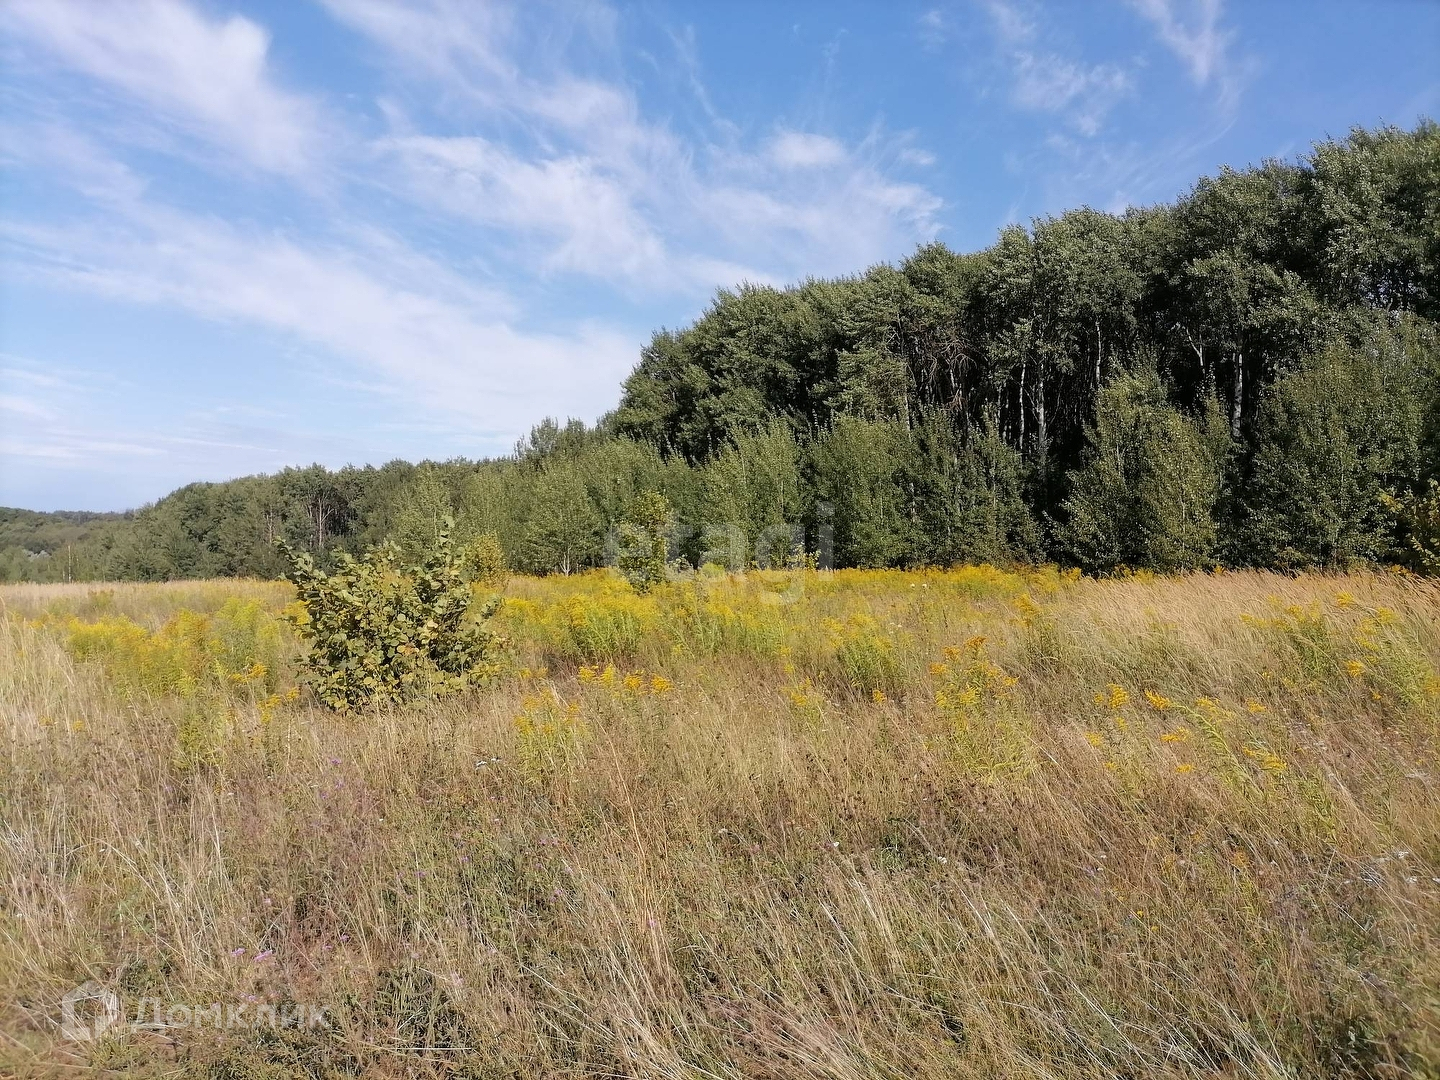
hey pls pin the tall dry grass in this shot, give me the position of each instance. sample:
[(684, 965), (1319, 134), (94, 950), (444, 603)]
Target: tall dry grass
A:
[(851, 825)]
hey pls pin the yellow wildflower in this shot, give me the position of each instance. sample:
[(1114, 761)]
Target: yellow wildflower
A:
[(802, 696), (1157, 702), (1114, 697), (254, 673), (1267, 758)]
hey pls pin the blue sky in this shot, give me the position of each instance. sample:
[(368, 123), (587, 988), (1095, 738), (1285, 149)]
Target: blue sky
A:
[(236, 236)]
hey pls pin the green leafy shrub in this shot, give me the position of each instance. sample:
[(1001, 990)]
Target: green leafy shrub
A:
[(381, 631), (487, 561), (1333, 437), (644, 541), (1419, 519), (1147, 493)]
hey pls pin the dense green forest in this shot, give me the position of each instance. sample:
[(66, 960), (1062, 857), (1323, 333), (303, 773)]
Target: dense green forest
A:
[(71, 545), (1247, 376)]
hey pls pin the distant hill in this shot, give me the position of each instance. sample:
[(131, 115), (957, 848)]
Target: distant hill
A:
[(56, 546)]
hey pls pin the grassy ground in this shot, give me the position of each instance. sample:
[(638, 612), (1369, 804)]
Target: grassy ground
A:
[(859, 824)]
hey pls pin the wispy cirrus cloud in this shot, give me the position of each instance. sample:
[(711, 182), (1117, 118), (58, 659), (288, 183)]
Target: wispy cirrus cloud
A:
[(404, 325), (800, 202), (68, 446), (50, 415), (1045, 80), (422, 330), (805, 150), (466, 46), (1199, 41), (583, 219), (210, 77), (1083, 93), (562, 170), (24, 406), (567, 159), (1083, 98), (933, 28), (1194, 30)]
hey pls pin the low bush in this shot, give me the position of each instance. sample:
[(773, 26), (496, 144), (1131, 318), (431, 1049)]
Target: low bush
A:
[(381, 631)]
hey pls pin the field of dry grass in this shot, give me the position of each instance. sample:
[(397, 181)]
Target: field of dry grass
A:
[(856, 824)]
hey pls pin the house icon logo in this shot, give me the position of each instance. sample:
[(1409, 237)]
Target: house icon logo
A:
[(88, 1011)]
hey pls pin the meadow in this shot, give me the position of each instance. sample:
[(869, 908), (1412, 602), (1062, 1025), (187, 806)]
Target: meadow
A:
[(929, 824)]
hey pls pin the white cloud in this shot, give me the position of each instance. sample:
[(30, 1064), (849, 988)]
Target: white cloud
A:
[(592, 224), (212, 77), (53, 420), (429, 336), (803, 150), (29, 375), (1053, 84), (94, 443), (1193, 31), (803, 204), (1198, 41), (934, 28), (1012, 25), (604, 191), (64, 444), (62, 151), (24, 406), (466, 45), (840, 227), (1045, 81)]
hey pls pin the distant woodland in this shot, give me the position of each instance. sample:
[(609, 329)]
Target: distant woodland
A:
[(1249, 376)]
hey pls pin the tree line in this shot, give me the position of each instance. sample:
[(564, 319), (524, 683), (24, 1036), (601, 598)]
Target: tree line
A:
[(1249, 376), (66, 545)]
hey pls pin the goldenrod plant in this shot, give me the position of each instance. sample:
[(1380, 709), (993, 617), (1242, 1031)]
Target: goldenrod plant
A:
[(942, 823)]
